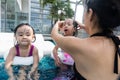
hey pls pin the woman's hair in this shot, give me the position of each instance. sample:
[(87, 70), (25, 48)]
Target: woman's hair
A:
[(107, 12), (22, 24)]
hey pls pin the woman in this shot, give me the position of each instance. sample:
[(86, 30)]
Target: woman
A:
[(96, 57)]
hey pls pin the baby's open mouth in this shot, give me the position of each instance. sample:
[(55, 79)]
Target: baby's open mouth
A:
[(65, 30)]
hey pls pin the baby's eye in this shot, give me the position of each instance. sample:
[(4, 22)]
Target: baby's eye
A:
[(28, 35), (20, 35), (68, 24)]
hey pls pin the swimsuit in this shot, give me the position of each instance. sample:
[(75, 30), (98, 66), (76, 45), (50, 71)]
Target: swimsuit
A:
[(30, 52), (116, 40), (78, 76), (21, 71)]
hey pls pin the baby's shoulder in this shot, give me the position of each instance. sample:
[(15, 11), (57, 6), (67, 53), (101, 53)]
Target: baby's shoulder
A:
[(35, 49), (12, 49)]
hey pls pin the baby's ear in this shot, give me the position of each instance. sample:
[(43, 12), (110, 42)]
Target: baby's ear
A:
[(34, 38), (15, 36)]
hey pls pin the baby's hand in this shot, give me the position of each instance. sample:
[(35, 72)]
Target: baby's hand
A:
[(11, 78), (57, 61), (29, 75), (80, 25)]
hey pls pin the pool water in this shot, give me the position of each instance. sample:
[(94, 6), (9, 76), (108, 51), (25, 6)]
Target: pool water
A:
[(1, 60), (47, 69)]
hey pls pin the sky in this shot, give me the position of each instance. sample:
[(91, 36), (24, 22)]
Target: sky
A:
[(79, 11)]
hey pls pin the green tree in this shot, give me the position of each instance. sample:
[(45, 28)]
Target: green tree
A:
[(60, 9)]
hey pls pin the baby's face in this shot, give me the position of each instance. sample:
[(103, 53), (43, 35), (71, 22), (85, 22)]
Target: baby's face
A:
[(68, 27), (24, 35)]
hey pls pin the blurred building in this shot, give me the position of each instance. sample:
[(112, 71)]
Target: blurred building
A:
[(14, 12)]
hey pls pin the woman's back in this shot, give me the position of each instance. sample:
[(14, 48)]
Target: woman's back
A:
[(96, 59)]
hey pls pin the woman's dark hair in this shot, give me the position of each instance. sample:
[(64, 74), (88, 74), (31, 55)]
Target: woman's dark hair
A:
[(75, 24), (22, 24), (107, 11)]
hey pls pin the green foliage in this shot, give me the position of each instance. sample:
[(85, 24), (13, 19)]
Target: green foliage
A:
[(60, 9), (45, 2)]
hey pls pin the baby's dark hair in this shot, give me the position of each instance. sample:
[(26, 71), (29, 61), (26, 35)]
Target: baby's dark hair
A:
[(22, 24), (75, 24)]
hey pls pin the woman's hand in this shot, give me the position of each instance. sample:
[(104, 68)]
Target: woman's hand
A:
[(57, 27), (61, 24)]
